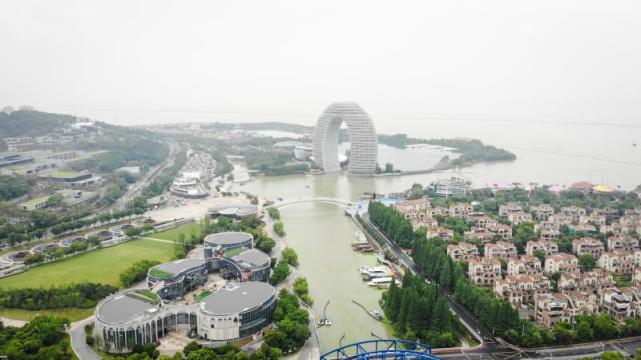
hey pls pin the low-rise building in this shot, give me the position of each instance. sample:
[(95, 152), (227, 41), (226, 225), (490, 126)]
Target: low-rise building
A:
[(618, 262), (568, 282), (575, 212), (412, 206), (616, 303), (622, 242), (550, 309), (636, 277), (613, 228), (525, 265), (541, 212), (443, 233), (519, 217), (461, 210), (582, 303), (589, 246), (629, 222), (595, 280), (507, 208), (500, 249), (462, 251), (521, 289), (453, 187), (484, 272), (423, 221), (479, 234), (561, 262), (548, 247), (585, 228), (501, 230), (481, 220)]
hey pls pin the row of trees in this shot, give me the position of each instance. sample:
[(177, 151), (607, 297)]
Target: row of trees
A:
[(292, 325), (281, 271), (418, 311), (84, 295), (136, 272), (392, 223)]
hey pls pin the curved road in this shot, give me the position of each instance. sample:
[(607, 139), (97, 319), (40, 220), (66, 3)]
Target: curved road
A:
[(77, 334)]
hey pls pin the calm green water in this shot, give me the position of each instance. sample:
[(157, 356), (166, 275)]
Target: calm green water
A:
[(321, 235)]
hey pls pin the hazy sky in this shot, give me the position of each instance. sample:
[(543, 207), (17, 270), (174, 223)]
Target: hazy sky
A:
[(535, 60)]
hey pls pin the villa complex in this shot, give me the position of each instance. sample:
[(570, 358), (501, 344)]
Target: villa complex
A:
[(528, 277)]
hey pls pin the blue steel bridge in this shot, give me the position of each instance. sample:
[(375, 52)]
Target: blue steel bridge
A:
[(381, 349)]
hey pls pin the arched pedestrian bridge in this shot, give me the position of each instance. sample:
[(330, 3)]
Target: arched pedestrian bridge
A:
[(287, 202)]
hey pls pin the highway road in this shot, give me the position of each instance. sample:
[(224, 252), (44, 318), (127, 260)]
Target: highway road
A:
[(139, 185)]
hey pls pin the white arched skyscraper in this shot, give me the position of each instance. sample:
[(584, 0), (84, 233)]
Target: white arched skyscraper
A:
[(362, 137)]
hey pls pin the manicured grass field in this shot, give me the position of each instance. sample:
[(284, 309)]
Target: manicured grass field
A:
[(99, 266), (172, 234), (73, 314)]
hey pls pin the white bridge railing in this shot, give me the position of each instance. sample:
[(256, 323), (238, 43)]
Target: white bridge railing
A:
[(287, 202)]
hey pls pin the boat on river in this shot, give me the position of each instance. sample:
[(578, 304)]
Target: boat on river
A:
[(372, 272), (381, 282)]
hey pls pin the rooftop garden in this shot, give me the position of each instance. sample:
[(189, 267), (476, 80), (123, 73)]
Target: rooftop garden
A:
[(234, 251), (200, 297), (160, 274), (145, 295)]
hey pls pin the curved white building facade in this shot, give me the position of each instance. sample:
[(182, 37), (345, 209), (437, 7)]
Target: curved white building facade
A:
[(362, 137)]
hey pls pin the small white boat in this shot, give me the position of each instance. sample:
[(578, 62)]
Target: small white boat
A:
[(374, 272), (381, 282)]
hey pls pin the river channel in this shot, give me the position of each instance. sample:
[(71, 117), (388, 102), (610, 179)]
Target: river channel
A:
[(321, 235)]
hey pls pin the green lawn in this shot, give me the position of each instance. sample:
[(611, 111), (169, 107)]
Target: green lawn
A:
[(100, 266), (234, 251), (198, 298), (73, 314), (172, 234)]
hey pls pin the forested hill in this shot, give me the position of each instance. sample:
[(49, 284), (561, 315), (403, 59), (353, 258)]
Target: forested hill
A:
[(279, 126), (32, 123), (125, 145)]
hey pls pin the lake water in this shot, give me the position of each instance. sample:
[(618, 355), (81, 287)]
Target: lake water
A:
[(548, 152)]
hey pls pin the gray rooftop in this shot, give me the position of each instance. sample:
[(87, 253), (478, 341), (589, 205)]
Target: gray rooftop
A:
[(253, 257), (123, 308), (227, 238), (238, 298), (176, 266)]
